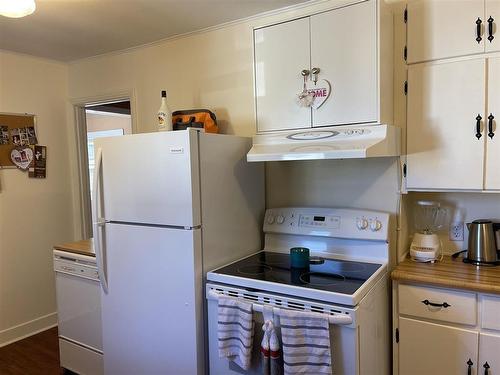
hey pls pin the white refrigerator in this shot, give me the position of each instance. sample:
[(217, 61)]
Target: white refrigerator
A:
[(168, 207)]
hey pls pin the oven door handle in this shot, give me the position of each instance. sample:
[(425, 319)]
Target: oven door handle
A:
[(338, 319)]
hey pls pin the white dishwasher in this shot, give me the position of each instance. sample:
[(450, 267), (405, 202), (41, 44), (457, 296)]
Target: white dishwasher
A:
[(79, 313)]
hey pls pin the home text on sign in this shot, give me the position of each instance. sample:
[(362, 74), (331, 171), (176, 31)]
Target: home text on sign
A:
[(321, 92)]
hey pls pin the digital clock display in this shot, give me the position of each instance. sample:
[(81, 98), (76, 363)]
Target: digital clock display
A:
[(319, 218)]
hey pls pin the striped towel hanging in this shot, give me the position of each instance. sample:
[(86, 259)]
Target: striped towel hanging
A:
[(306, 342), (235, 331)]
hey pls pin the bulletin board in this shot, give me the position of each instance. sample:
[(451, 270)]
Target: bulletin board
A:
[(15, 130)]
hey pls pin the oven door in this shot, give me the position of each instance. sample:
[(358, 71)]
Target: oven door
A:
[(343, 343)]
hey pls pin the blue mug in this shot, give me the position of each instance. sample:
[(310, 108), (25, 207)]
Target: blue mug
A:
[(299, 257)]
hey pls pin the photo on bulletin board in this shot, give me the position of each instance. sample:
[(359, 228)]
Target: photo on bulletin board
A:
[(23, 136), (38, 166), (16, 130), (4, 135)]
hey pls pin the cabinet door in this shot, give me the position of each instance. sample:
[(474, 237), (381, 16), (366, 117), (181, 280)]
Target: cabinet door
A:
[(492, 180), (438, 29), (492, 16), (489, 347), (281, 53), (344, 48), (434, 349), (443, 102)]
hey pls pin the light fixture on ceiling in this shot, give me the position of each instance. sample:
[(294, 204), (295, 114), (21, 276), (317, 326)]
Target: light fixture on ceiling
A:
[(17, 8)]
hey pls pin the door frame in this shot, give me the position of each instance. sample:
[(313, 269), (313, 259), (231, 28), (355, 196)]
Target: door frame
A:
[(79, 105)]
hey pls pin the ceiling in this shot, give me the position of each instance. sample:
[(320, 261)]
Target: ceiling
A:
[(68, 30)]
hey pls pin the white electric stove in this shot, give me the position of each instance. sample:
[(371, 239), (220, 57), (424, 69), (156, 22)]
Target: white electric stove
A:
[(346, 279)]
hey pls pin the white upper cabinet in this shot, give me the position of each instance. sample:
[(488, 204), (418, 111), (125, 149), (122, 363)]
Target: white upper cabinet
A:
[(440, 29), (492, 20), (281, 53), (492, 131), (445, 142), (348, 49), (344, 48)]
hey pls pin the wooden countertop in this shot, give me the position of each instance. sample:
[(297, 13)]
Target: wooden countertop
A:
[(84, 247), (451, 273)]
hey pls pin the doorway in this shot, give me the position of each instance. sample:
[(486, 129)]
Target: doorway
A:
[(97, 120), (105, 120)]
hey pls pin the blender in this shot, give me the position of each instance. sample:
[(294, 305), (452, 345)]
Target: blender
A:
[(429, 217)]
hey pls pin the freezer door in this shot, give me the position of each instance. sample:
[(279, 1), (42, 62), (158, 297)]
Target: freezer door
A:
[(150, 178), (152, 313)]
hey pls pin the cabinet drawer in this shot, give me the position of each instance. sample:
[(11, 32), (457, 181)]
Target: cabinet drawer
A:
[(490, 307), (461, 306)]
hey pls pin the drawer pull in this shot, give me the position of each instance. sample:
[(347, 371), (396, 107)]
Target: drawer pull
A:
[(486, 368), (469, 367), (426, 302)]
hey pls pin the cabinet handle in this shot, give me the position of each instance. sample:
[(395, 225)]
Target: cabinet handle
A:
[(469, 367), (491, 134), (490, 29), (426, 302), (486, 368), (478, 126), (478, 30)]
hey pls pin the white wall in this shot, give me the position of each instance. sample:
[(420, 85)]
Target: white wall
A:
[(34, 214), (367, 184)]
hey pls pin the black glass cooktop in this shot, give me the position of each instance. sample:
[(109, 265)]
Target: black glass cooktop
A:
[(340, 276)]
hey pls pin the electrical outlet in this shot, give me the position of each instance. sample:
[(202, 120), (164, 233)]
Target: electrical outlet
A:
[(457, 231)]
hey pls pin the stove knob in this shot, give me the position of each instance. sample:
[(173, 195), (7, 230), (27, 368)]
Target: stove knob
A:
[(375, 225), (270, 219), (362, 224), (280, 219)]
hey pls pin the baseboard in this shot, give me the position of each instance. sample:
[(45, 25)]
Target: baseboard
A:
[(21, 331)]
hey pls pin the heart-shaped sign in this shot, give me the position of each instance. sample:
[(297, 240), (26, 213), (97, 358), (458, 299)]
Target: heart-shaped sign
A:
[(21, 157), (321, 92)]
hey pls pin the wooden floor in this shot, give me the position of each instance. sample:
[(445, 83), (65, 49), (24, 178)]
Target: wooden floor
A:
[(35, 355)]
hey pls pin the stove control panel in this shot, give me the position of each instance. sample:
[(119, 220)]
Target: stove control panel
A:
[(328, 222), (321, 221)]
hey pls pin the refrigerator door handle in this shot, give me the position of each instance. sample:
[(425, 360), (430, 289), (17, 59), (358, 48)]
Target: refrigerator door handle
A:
[(97, 221)]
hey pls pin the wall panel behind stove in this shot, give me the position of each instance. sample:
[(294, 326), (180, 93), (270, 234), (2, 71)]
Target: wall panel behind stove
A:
[(355, 183)]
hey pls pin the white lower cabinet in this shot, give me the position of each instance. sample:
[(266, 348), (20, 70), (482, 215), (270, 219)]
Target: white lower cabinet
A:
[(489, 354), (435, 332), (435, 349)]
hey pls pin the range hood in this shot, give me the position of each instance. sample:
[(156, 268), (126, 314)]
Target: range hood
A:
[(336, 142)]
